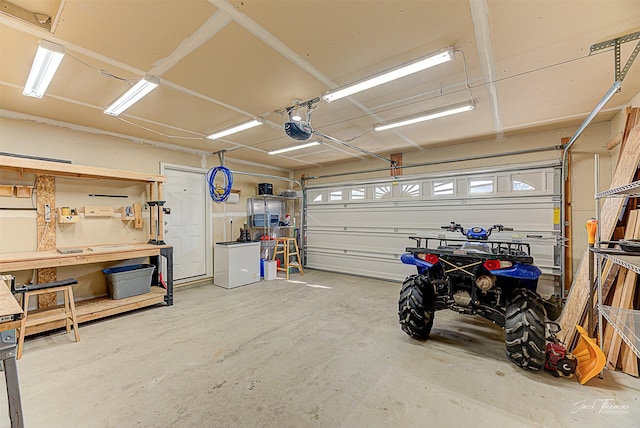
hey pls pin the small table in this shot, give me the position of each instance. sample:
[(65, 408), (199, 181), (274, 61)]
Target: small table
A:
[(9, 307)]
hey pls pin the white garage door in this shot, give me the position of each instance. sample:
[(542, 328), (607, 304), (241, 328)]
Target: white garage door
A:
[(362, 228)]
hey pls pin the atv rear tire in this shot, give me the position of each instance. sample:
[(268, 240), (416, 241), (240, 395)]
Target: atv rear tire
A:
[(416, 307), (525, 329)]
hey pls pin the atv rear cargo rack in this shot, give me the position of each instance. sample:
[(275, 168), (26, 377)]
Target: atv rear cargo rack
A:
[(517, 251)]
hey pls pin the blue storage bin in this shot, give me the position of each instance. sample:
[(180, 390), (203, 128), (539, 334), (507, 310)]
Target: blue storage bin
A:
[(259, 220)]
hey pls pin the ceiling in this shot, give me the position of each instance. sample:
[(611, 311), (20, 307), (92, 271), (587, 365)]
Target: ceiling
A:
[(526, 64)]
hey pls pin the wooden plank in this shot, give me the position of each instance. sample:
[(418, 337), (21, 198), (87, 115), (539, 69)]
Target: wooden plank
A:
[(609, 332), (609, 273), (89, 310), (632, 230), (36, 260), (630, 123), (628, 360), (9, 325), (49, 315), (8, 305), (397, 158), (568, 229), (613, 142), (137, 214), (92, 211), (616, 341), (59, 169), (631, 120), (579, 293)]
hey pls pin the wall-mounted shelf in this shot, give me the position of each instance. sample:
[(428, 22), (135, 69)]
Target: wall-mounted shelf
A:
[(67, 219), (17, 191), (6, 189), (24, 191), (91, 211), (127, 213), (631, 189)]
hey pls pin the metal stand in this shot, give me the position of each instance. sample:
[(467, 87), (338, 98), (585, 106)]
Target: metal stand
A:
[(156, 260), (8, 357), (157, 237)]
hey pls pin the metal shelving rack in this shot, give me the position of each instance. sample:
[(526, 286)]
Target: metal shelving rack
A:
[(268, 205), (626, 322)]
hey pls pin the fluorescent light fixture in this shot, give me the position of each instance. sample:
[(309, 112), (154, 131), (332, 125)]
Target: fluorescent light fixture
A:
[(393, 74), (237, 128), (133, 95), (289, 149), (46, 62), (434, 114)]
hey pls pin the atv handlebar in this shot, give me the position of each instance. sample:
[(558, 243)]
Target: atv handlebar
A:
[(454, 227)]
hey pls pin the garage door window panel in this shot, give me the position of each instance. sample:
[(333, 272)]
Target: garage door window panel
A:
[(411, 190), (316, 196), (443, 188), (336, 195), (357, 193), (482, 186), (528, 183), (383, 192)]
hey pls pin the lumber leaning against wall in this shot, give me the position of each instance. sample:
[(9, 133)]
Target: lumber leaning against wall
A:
[(579, 293)]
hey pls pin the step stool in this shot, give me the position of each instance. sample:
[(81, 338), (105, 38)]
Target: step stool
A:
[(68, 313), (288, 252)]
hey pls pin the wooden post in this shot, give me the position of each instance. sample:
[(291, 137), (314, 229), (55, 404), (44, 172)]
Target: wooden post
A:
[(45, 195), (396, 160), (568, 230)]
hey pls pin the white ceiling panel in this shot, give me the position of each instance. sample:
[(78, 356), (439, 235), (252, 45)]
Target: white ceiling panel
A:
[(526, 65)]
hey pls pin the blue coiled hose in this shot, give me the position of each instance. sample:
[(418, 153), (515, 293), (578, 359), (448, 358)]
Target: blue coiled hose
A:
[(219, 193)]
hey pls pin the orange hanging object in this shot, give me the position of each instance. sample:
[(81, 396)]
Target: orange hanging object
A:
[(592, 227)]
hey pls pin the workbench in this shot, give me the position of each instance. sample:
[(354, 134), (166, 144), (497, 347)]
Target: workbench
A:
[(88, 310), (46, 260)]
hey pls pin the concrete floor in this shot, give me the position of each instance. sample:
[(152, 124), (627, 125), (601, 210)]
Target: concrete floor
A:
[(322, 350)]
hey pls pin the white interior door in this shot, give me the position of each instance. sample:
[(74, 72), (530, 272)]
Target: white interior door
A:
[(185, 227)]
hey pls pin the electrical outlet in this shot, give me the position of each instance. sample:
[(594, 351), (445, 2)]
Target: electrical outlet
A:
[(47, 213)]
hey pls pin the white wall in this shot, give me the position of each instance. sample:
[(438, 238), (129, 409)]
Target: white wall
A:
[(26, 137)]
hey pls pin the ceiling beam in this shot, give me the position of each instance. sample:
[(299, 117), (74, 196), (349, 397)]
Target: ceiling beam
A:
[(206, 32), (480, 17)]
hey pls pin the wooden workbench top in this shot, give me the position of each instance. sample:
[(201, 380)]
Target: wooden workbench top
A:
[(92, 254), (8, 304)]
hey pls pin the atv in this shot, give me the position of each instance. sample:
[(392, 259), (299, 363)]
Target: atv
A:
[(473, 275)]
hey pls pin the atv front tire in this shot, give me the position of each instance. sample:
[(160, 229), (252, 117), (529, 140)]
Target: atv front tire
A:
[(416, 307), (525, 329)]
